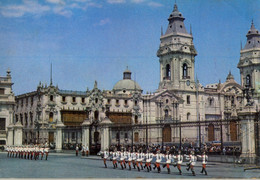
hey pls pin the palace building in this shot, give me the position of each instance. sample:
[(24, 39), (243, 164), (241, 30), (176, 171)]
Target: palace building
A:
[(181, 110)]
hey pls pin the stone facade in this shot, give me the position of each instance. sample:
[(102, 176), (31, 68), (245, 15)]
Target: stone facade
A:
[(92, 117), (6, 110)]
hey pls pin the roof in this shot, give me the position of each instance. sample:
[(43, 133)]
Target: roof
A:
[(253, 38), (68, 92), (126, 84), (176, 22)]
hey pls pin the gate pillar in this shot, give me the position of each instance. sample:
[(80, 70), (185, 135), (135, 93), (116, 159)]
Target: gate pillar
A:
[(105, 141), (59, 128), (247, 135), (85, 133)]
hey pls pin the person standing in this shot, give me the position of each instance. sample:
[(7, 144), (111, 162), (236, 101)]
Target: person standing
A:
[(77, 150), (204, 159), (46, 151), (87, 150)]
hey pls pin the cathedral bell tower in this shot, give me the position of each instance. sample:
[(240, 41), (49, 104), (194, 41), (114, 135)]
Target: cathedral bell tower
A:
[(249, 63), (177, 54)]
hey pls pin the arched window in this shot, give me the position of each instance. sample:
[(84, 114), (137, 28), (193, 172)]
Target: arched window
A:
[(51, 117), (136, 119), (248, 80), (185, 70), (168, 72), (166, 112), (51, 98), (188, 116), (232, 100)]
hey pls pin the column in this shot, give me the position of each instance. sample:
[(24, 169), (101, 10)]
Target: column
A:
[(58, 142), (10, 135), (247, 117), (105, 141), (85, 134), (18, 134)]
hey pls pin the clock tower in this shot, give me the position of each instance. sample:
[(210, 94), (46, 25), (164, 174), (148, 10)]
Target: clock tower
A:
[(177, 54)]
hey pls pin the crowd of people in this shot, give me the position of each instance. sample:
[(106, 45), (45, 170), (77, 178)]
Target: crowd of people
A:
[(31, 152), (142, 159)]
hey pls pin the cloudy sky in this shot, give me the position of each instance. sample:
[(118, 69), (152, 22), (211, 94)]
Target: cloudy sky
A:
[(88, 40)]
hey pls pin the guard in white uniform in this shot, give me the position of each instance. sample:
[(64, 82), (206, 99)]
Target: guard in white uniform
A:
[(168, 158), (114, 158), (192, 161), (158, 161), (179, 158), (106, 155), (122, 159), (204, 159), (133, 155), (139, 160), (129, 159)]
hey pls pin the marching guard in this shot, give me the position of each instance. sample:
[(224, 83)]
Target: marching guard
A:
[(139, 159), (204, 158), (129, 159), (122, 159), (133, 155), (158, 161), (179, 158), (148, 159), (106, 155), (192, 161), (114, 158), (168, 158)]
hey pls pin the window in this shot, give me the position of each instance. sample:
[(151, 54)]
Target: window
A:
[(96, 100), (117, 102), (2, 91), (31, 101), (188, 116), (108, 101), (2, 123), (168, 72), (125, 102), (73, 99), (136, 119), (180, 26), (73, 136), (188, 99), (166, 113), (135, 103), (167, 101), (185, 70), (232, 100), (63, 98), (83, 100), (211, 101), (51, 98), (51, 117), (248, 81)]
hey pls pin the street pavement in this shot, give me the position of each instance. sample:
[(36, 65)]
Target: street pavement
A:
[(67, 165)]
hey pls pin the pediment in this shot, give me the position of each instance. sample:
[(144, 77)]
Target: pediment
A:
[(232, 88), (167, 95)]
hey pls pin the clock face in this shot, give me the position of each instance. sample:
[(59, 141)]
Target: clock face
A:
[(188, 82)]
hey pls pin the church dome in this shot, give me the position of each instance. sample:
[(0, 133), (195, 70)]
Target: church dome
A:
[(127, 83)]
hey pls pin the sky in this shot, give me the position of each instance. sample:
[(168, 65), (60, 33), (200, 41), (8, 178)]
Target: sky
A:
[(88, 40)]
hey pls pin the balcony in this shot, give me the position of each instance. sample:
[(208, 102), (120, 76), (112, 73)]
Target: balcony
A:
[(166, 119)]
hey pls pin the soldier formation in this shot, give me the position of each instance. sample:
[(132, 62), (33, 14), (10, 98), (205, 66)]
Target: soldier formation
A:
[(27, 152), (158, 159)]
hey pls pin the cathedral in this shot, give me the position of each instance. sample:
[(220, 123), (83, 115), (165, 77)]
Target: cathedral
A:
[(181, 111)]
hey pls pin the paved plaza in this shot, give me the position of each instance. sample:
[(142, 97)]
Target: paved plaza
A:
[(64, 165)]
